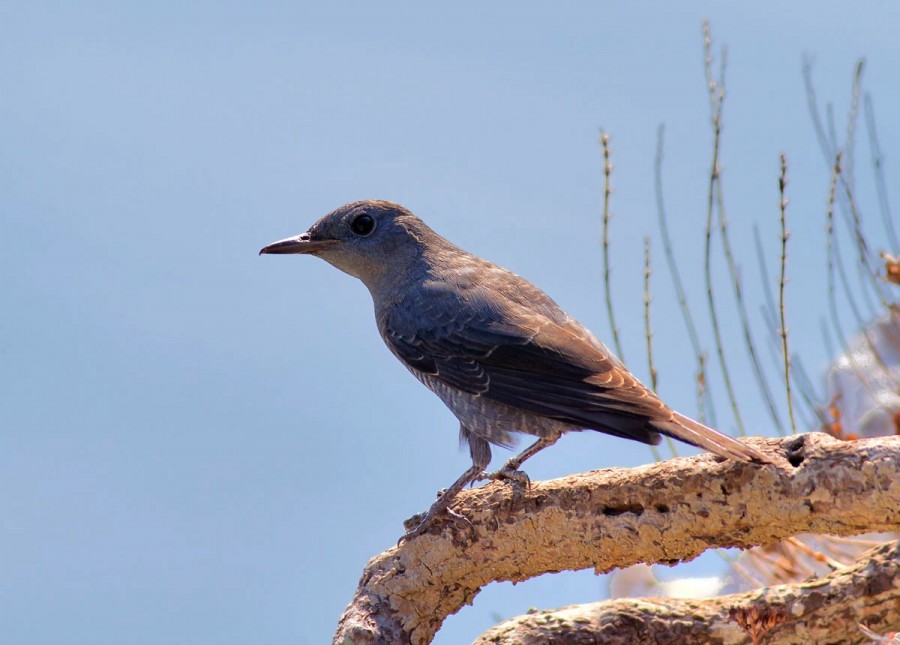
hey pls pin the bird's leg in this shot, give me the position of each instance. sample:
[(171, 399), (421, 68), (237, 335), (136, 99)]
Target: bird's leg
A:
[(510, 470), (442, 504), (480, 450)]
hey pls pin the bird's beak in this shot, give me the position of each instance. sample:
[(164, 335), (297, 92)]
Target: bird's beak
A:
[(303, 243)]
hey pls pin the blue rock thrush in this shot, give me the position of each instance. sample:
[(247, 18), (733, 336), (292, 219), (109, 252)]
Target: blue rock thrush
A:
[(498, 351)]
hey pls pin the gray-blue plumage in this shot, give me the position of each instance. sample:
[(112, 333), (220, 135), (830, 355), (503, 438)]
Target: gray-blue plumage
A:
[(499, 352)]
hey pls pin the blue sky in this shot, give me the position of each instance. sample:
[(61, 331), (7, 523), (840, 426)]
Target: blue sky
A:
[(202, 445)]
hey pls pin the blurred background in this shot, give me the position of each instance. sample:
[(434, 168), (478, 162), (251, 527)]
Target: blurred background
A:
[(203, 445)]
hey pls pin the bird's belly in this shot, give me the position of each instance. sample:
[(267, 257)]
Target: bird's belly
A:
[(490, 419)]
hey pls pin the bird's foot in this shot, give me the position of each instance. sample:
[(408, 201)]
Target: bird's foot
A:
[(511, 475), (421, 522), (418, 524)]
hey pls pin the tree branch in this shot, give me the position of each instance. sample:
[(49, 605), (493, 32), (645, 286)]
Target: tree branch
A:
[(823, 610), (665, 512)]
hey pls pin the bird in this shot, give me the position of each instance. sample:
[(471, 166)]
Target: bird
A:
[(498, 351)]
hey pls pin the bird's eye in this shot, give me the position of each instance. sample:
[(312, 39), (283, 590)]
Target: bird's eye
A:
[(363, 224)]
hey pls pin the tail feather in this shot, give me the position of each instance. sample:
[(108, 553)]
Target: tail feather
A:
[(695, 433)]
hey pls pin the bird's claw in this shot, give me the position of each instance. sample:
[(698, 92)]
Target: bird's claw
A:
[(412, 523), (513, 475), (414, 532), (421, 522)]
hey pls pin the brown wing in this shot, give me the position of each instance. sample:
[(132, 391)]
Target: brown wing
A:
[(530, 362), (539, 360)]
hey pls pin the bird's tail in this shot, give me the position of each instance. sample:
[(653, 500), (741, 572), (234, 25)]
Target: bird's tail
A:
[(695, 433)]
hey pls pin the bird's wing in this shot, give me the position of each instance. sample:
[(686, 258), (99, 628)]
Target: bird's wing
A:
[(545, 364)]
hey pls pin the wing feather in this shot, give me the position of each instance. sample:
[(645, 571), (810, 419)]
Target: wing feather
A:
[(531, 362)]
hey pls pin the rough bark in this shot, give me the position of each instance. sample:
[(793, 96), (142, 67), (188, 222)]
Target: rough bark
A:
[(662, 513), (823, 610)]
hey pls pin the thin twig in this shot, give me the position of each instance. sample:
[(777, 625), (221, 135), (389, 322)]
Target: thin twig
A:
[(648, 335), (866, 262), (705, 402), (776, 567), (813, 105), (848, 182), (768, 309), (648, 330), (717, 98), (607, 191), (856, 541), (849, 173), (742, 314), (818, 556), (832, 128), (782, 183), (864, 278), (878, 171), (699, 354), (831, 252), (774, 344), (801, 381), (743, 572), (826, 338), (844, 553), (831, 255)]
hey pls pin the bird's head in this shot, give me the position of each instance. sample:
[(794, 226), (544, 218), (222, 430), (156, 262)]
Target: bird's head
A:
[(371, 240)]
